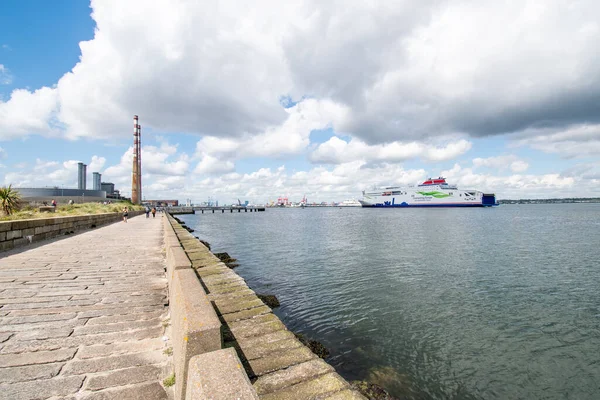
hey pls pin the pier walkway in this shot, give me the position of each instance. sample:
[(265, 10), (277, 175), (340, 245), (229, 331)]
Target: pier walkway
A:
[(82, 317)]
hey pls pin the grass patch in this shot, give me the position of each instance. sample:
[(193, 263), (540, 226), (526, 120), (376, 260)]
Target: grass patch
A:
[(65, 210), (169, 380), (168, 351)]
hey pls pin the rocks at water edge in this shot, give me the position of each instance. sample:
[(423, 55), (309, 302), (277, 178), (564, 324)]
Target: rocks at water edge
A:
[(227, 259), (313, 345), (371, 391), (204, 242), (187, 228), (269, 299)]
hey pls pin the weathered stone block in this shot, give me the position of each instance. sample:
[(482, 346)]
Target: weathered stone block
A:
[(105, 350), (21, 242), (38, 357), (196, 327), (14, 234), (30, 372), (146, 391), (218, 375), (324, 384), (231, 295), (49, 387), (176, 259), (290, 376), (18, 225), (230, 305), (7, 245), (245, 314), (346, 395), (78, 367), (123, 377), (280, 360), (259, 350), (28, 231)]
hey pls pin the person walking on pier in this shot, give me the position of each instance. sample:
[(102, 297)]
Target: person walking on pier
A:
[(153, 212), (147, 212), (125, 214)]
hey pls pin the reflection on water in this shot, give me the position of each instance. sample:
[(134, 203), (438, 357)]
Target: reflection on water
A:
[(448, 303)]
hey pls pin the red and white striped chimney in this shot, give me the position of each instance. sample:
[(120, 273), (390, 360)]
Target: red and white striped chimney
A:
[(135, 182)]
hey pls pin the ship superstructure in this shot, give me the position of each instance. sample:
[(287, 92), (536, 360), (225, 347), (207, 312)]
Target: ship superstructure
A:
[(431, 193)]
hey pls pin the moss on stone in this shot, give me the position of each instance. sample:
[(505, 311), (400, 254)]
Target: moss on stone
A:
[(169, 380)]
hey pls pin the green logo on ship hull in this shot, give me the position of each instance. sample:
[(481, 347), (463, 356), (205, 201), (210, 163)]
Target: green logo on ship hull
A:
[(437, 195)]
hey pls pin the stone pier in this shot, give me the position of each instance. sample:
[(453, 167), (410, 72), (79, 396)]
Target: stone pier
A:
[(279, 366), (84, 317)]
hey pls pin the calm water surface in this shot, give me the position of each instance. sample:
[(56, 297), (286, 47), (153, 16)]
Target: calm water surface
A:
[(499, 303)]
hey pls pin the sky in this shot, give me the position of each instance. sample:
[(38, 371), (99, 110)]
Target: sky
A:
[(318, 98)]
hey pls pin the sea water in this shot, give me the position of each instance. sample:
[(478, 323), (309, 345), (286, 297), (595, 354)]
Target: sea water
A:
[(494, 303)]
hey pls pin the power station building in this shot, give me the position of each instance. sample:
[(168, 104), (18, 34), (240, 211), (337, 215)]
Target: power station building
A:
[(63, 195), (97, 180), (81, 176), (101, 190)]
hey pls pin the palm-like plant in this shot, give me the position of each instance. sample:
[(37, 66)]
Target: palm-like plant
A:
[(9, 200)]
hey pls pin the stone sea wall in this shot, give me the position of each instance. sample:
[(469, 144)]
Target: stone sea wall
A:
[(14, 234), (258, 357)]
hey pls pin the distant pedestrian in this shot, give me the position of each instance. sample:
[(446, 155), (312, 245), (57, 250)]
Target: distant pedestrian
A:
[(125, 214), (53, 203), (147, 212), (153, 212)]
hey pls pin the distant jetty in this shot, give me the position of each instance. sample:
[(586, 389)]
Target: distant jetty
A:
[(552, 201)]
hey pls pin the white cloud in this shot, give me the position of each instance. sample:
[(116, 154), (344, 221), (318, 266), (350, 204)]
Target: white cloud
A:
[(212, 165), (519, 166), (28, 112), (5, 76), (575, 142), (502, 162), (517, 185), (291, 137), (404, 71), (96, 164), (2, 153), (337, 151)]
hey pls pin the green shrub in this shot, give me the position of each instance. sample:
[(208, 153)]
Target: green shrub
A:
[(9, 200)]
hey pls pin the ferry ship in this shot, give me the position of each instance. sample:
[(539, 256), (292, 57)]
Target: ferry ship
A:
[(430, 193)]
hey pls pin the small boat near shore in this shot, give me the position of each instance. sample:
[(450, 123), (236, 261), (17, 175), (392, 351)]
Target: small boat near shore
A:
[(349, 203), (431, 193)]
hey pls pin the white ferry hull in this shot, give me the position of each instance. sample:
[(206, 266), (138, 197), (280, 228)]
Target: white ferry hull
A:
[(406, 205), (438, 195)]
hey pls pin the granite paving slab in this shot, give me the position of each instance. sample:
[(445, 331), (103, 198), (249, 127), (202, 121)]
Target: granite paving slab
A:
[(82, 317)]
